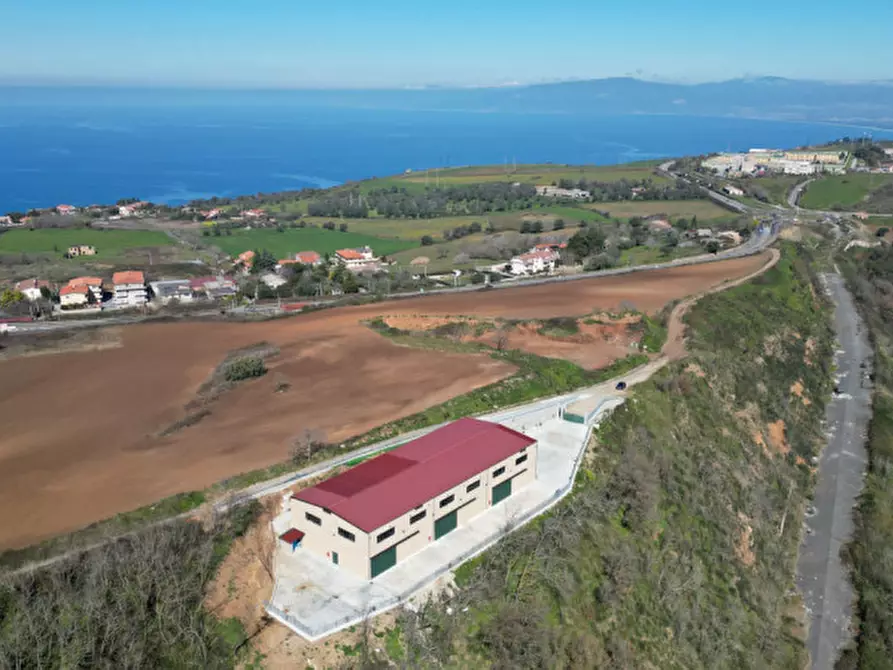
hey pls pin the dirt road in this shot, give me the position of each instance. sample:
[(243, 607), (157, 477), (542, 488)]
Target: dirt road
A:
[(79, 441)]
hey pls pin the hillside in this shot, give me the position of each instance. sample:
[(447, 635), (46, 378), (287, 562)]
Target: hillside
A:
[(673, 551)]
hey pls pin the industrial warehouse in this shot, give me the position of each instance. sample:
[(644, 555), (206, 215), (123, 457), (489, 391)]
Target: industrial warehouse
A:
[(371, 517)]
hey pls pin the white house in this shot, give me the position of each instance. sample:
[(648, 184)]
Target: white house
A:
[(272, 280), (66, 209), (254, 213), (172, 289), (30, 288), (93, 284), (130, 289), (72, 297), (533, 262), (732, 190), (361, 258), (555, 192)]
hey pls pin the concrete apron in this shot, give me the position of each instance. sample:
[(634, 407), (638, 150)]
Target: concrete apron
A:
[(315, 598)]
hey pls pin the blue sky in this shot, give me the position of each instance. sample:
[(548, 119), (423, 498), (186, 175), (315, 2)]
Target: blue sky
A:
[(358, 43)]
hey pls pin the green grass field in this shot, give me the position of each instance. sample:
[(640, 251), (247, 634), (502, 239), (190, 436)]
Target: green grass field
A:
[(705, 210), (108, 243), (291, 241), (403, 229), (533, 174), (843, 191)]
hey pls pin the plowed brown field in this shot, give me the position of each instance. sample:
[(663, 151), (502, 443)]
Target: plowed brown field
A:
[(78, 433)]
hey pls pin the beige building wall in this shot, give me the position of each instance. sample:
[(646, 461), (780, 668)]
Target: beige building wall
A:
[(324, 538), (409, 536)]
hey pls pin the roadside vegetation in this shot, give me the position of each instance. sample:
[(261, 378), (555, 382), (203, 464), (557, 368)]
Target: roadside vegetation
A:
[(870, 278), (677, 547)]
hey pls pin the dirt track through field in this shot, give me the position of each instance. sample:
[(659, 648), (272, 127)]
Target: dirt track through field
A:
[(78, 441)]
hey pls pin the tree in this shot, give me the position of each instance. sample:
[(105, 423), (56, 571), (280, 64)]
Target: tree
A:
[(303, 446), (342, 227), (881, 232), (712, 247), (586, 242), (11, 297), (264, 261), (427, 240), (349, 283), (558, 225)]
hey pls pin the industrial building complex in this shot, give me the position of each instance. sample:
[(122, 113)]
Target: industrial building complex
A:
[(380, 512)]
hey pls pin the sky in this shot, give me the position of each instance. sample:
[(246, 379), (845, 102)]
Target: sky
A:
[(400, 43)]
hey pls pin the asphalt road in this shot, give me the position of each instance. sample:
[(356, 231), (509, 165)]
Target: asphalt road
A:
[(821, 576)]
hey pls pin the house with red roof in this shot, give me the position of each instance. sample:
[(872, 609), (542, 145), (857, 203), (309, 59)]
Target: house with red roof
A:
[(533, 262), (93, 284), (373, 516), (130, 289), (308, 258), (73, 297), (362, 258)]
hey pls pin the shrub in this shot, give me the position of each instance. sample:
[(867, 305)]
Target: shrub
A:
[(245, 368)]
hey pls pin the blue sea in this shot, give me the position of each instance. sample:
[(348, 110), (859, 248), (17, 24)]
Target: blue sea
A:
[(56, 147)]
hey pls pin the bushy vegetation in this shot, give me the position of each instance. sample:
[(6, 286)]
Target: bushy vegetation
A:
[(245, 368), (870, 554), (135, 603), (677, 547)]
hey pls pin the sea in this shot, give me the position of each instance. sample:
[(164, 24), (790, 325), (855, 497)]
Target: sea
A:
[(92, 148)]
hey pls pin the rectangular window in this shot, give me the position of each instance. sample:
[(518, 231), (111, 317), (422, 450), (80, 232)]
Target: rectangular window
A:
[(347, 535), (446, 501), (385, 535), (415, 518), (520, 459), (312, 518), (471, 487), (498, 471)]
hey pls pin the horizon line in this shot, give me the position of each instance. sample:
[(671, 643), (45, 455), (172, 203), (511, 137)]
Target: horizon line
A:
[(82, 84)]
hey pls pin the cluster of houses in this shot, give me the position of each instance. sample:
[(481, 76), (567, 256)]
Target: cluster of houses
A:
[(128, 289), (361, 259)]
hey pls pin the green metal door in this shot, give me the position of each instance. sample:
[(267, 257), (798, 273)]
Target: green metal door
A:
[(335, 557), (445, 524), (384, 561), (502, 491)]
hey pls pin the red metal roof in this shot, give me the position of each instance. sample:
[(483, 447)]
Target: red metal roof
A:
[(292, 535), (387, 486)]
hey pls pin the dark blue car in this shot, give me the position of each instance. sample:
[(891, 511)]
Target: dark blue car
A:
[(621, 386)]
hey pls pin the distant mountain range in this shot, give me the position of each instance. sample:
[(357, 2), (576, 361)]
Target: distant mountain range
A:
[(858, 103)]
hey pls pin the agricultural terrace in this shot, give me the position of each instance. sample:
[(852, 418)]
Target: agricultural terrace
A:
[(705, 210), (108, 243), (292, 240), (871, 192)]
